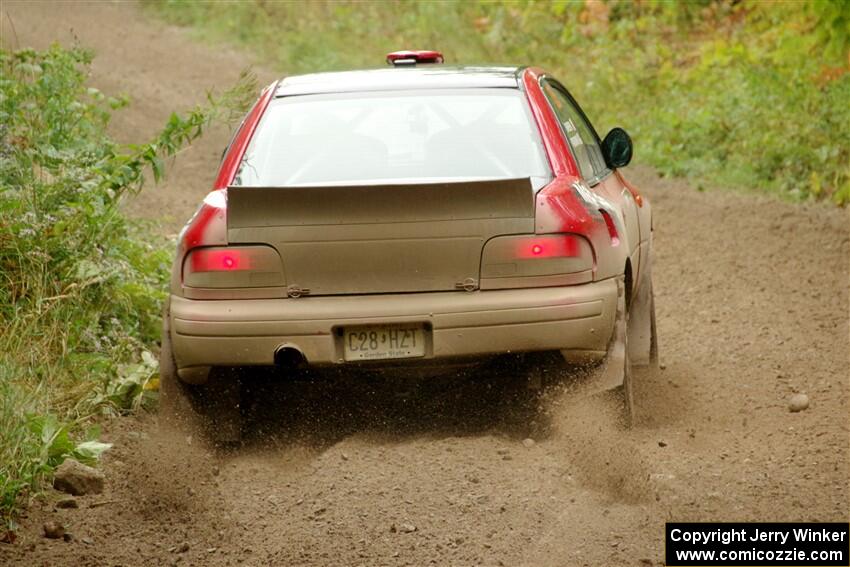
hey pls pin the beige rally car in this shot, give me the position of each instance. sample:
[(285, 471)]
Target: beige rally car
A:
[(415, 215)]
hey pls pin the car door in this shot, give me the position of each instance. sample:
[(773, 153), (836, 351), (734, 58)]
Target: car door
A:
[(596, 176)]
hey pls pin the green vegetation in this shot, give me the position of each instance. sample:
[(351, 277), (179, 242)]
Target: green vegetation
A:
[(751, 94), (81, 285)]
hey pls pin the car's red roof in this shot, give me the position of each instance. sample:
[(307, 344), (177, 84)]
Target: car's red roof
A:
[(400, 78)]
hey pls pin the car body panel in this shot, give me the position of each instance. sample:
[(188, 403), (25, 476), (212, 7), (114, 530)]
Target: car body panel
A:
[(248, 332), (394, 79), (368, 258), (576, 204), (380, 238)]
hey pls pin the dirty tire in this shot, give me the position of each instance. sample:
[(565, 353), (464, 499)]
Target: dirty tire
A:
[(653, 340), (219, 403), (620, 358), (628, 378), (545, 370), (174, 397), (215, 404)]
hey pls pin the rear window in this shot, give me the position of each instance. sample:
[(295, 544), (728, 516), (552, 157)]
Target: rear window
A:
[(391, 137)]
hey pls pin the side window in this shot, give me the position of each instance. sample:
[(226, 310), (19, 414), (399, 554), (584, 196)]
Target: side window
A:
[(579, 134)]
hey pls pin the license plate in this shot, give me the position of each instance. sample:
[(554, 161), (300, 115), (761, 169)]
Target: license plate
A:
[(384, 341)]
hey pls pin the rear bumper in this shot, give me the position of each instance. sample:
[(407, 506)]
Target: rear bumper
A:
[(576, 318)]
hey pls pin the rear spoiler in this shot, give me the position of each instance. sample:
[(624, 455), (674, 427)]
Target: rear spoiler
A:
[(368, 204)]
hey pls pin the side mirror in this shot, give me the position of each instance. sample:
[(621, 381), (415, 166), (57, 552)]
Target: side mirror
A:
[(617, 148)]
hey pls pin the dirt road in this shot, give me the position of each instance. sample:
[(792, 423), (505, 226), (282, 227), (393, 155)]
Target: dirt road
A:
[(752, 299)]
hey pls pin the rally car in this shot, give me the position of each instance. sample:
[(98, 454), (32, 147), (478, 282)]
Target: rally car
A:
[(414, 214)]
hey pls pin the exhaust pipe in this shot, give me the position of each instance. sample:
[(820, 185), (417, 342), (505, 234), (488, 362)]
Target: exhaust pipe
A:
[(289, 356)]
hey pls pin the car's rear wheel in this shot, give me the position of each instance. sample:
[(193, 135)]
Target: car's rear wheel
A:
[(214, 405), (653, 340), (219, 405), (640, 340), (613, 373), (628, 378), (616, 372), (174, 396)]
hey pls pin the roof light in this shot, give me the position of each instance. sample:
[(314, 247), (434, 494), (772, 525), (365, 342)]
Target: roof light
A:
[(400, 58)]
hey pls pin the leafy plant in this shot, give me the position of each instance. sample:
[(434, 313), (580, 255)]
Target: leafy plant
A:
[(81, 285)]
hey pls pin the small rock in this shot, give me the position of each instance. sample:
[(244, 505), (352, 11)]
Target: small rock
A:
[(215, 471), (67, 502), (54, 530), (343, 456), (66, 537), (662, 443), (407, 528), (798, 402), (393, 529), (183, 547), (76, 478), (662, 366), (528, 443), (87, 541)]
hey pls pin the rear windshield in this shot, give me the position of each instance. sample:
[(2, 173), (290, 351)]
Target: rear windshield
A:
[(391, 137)]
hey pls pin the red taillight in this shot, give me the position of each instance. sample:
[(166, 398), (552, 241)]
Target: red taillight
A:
[(233, 267), (549, 246), (217, 260), (536, 260), (612, 228)]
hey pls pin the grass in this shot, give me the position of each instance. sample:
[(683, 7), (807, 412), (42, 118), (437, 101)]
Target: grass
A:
[(748, 94), (81, 284)]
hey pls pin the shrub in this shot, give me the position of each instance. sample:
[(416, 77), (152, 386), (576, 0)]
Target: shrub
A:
[(81, 285)]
